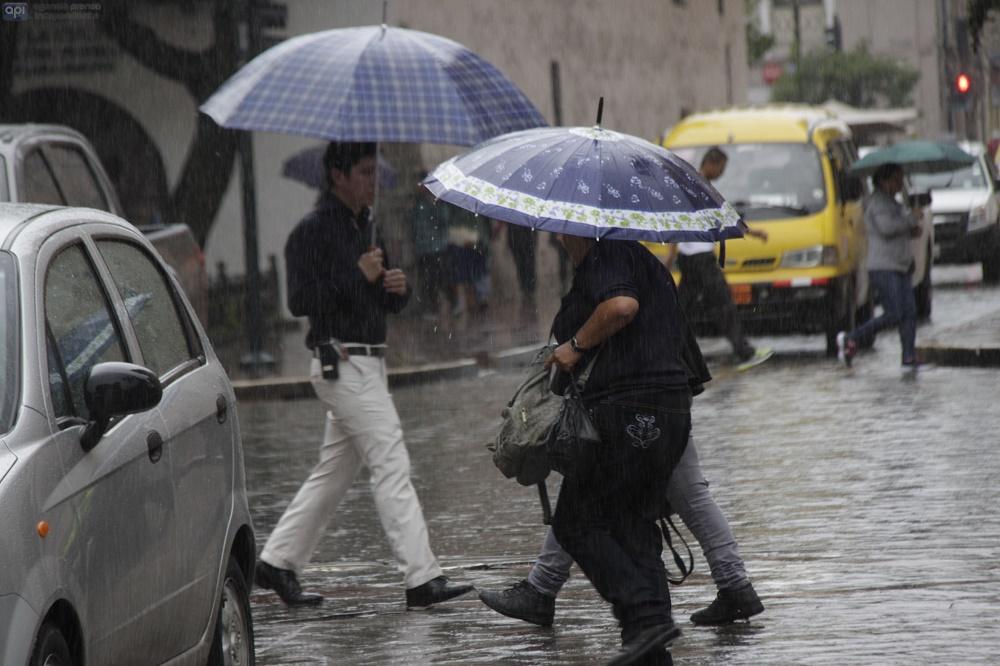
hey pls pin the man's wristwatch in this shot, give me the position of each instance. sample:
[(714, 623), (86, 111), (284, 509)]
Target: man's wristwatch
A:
[(575, 347)]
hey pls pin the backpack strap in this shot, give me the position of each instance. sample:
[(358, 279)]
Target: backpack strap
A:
[(543, 496), (685, 569)]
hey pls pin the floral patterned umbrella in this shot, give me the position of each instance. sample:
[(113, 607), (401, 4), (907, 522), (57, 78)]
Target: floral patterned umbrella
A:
[(586, 181)]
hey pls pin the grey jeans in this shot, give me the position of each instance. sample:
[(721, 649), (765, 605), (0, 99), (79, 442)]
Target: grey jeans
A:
[(689, 496)]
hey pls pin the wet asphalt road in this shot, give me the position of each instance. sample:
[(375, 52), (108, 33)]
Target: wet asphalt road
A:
[(864, 500)]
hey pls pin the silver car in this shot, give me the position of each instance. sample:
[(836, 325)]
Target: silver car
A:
[(126, 535)]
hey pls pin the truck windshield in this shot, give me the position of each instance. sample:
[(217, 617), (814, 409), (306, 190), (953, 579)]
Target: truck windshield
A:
[(768, 181), (10, 373), (969, 178)]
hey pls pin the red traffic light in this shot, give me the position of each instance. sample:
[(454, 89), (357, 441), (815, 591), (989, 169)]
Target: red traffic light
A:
[(963, 83)]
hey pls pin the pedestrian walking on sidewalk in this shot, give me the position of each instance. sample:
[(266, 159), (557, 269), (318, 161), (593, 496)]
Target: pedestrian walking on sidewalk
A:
[(623, 309), (703, 286), (534, 598), (428, 219), (889, 263), (522, 241), (340, 280)]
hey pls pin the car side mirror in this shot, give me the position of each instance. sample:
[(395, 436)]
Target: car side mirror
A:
[(851, 188), (116, 389)]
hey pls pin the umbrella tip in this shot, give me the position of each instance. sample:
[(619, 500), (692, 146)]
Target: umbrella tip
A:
[(600, 110)]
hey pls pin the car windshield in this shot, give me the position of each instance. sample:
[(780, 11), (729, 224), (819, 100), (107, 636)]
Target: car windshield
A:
[(8, 342), (768, 181), (969, 178)]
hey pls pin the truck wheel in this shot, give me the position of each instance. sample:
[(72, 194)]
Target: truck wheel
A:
[(991, 260), (233, 642), (51, 648), (922, 292), (991, 269)]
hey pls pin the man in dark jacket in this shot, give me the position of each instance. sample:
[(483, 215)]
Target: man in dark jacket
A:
[(338, 277)]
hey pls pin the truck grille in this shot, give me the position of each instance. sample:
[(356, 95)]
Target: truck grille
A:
[(758, 264), (949, 227)]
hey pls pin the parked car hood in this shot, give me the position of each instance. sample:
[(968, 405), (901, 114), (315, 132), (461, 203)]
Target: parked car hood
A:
[(958, 201)]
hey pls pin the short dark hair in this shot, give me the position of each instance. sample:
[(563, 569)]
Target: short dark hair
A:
[(885, 172), (343, 156), (714, 155)]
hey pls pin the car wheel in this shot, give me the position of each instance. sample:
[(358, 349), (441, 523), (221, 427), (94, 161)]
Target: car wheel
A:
[(991, 269), (233, 643), (922, 292), (51, 648)]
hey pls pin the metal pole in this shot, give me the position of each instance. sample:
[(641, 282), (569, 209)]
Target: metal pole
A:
[(798, 49), (255, 358)]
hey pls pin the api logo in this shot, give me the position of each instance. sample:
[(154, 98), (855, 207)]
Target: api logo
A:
[(15, 11)]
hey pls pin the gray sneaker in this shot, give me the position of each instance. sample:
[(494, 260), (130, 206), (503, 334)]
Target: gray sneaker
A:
[(740, 603), (522, 602)]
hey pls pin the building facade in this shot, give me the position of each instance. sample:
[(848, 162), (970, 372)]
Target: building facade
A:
[(653, 61)]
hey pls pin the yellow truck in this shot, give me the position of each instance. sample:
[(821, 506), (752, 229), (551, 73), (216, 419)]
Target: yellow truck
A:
[(787, 175)]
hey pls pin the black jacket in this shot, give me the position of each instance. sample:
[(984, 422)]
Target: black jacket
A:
[(325, 283)]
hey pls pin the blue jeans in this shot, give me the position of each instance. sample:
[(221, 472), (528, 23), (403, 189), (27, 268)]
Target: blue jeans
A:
[(899, 309), (688, 494)]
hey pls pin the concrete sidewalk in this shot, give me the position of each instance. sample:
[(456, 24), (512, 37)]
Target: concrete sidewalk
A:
[(972, 343), (421, 350)]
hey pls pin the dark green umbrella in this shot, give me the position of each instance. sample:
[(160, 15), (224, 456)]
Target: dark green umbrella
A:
[(915, 156)]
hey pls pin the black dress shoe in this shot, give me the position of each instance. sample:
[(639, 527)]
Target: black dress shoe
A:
[(286, 584), (648, 646), (433, 591)]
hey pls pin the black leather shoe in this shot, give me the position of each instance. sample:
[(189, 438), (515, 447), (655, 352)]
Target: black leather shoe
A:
[(740, 603), (649, 646), (286, 584), (522, 602), (432, 592)]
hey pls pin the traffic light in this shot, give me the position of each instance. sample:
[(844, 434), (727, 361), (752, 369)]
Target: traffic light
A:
[(963, 84), (832, 35), (962, 90)]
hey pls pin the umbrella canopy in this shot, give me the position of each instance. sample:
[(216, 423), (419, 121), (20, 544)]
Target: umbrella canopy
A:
[(586, 181), (915, 156), (306, 167), (373, 83)]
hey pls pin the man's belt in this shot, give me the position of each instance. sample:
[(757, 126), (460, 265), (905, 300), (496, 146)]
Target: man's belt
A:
[(353, 349), (364, 350)]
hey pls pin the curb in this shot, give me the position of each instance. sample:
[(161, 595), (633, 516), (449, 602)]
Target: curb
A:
[(299, 388), (985, 357)]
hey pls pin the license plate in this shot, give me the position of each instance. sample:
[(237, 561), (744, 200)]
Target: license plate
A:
[(742, 294)]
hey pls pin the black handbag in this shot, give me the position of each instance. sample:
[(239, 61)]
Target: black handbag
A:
[(573, 441)]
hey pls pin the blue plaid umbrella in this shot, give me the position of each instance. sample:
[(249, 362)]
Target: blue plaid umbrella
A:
[(306, 167), (373, 83), (586, 181)]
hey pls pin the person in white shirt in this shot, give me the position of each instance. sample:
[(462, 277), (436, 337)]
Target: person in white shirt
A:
[(703, 284)]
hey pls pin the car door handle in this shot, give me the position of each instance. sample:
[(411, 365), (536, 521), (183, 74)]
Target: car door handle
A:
[(154, 444), (221, 409)]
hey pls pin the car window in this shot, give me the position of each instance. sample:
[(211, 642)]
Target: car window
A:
[(4, 192), (151, 303), (81, 329), (38, 185), (768, 180), (75, 176), (8, 342), (969, 178)]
